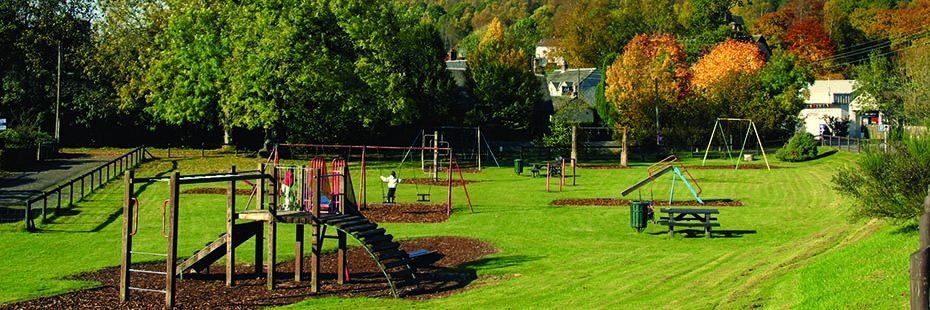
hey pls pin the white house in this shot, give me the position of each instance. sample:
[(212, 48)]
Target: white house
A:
[(835, 98)]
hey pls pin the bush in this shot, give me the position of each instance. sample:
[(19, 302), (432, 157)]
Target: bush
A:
[(800, 147), (890, 184)]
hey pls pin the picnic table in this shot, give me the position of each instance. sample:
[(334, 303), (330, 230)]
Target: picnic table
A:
[(683, 217), (554, 168)]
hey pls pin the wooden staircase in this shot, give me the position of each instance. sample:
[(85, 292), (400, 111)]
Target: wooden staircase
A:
[(217, 249)]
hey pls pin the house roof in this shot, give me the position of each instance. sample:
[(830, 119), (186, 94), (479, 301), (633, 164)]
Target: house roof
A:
[(822, 91), (570, 75)]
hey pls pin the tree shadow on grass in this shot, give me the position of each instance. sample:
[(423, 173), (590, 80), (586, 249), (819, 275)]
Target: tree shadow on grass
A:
[(113, 216), (825, 154)]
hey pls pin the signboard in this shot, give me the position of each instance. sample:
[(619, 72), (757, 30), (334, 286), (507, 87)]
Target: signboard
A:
[(2, 124)]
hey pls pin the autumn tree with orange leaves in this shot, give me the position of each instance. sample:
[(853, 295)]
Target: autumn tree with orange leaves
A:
[(650, 65), (727, 58)]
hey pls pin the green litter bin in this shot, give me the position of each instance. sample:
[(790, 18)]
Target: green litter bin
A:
[(638, 211), (518, 166)]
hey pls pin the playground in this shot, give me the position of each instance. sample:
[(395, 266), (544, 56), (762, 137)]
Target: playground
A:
[(782, 234)]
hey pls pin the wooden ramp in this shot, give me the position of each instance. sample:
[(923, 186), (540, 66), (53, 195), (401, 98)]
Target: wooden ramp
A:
[(393, 262), (217, 249)]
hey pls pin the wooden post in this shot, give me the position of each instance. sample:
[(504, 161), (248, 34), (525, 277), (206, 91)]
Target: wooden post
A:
[(126, 253), (230, 227), (272, 230), (170, 266), (479, 149), (574, 145), (316, 243), (573, 172), (299, 253), (28, 215), (449, 195), (548, 175), (340, 235), (259, 238), (920, 262)]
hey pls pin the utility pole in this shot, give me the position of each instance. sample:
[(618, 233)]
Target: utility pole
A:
[(58, 99), (658, 133)]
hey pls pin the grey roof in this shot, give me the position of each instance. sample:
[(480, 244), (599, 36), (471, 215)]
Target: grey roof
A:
[(570, 75)]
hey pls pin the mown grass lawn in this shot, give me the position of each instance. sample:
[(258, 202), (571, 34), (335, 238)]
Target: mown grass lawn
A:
[(800, 249)]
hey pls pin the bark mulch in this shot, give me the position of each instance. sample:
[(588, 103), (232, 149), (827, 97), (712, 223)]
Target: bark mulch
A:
[(626, 202), (216, 190), (598, 166), (406, 213), (741, 166), (428, 181), (208, 290)]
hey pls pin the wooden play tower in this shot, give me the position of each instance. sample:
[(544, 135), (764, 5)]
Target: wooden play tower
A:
[(340, 213)]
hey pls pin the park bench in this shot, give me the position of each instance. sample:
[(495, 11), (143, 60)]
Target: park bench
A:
[(681, 217)]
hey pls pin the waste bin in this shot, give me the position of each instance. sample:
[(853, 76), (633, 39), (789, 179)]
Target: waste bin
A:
[(638, 210), (518, 166)]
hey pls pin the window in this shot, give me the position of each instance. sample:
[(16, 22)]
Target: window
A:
[(842, 98)]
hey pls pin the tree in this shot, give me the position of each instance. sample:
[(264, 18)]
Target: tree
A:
[(729, 57), (650, 66), (505, 89), (583, 32), (185, 78), (810, 42), (879, 84)]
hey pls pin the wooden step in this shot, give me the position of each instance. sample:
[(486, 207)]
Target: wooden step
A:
[(380, 247), (391, 254), (343, 220), (351, 222), (378, 238), (359, 227), (365, 234)]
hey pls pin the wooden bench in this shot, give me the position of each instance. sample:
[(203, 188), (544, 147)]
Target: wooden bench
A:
[(682, 217)]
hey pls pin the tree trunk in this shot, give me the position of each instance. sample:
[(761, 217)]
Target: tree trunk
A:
[(227, 136), (623, 152)]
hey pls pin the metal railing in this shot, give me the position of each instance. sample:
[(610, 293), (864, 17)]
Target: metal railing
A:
[(86, 183), (850, 144)]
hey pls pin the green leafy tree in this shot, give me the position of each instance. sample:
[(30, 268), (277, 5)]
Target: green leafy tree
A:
[(505, 89), (879, 84)]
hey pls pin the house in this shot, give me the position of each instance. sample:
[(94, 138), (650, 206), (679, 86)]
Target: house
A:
[(835, 98), (569, 83), (546, 54), (759, 40)]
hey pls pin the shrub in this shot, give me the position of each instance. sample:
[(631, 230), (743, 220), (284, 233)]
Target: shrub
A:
[(890, 184), (800, 147)]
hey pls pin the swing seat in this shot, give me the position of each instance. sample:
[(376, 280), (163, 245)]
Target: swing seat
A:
[(422, 197)]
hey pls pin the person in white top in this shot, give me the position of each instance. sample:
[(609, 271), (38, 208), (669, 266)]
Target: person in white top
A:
[(391, 181)]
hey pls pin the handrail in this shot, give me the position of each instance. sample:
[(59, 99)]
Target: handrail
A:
[(661, 164), (119, 164)]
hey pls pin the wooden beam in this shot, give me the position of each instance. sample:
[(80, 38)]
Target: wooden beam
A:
[(172, 214), (230, 226), (126, 253)]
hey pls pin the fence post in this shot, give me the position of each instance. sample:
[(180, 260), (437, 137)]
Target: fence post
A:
[(201, 150), (58, 206), (70, 193), (44, 206), (82, 187), (28, 214), (919, 262)]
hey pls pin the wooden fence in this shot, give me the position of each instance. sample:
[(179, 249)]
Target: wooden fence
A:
[(82, 185), (850, 144)]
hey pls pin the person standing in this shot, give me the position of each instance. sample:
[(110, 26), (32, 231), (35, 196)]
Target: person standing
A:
[(392, 182)]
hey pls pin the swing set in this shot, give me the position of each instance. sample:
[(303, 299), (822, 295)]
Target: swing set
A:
[(317, 161), (728, 139)]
